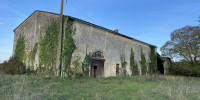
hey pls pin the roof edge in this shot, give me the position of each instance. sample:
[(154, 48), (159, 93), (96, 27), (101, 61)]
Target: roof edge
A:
[(88, 23), (25, 19)]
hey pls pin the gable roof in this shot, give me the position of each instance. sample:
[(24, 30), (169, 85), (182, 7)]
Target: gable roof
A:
[(90, 24)]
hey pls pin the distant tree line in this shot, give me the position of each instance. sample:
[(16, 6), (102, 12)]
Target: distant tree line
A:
[(184, 49)]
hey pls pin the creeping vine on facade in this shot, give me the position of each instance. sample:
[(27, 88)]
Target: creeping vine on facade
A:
[(20, 49), (33, 52), (68, 46), (86, 64), (153, 60), (123, 63), (143, 63), (48, 47), (133, 65)]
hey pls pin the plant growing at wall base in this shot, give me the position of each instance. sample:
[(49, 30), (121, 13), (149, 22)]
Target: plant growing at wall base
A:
[(143, 63), (20, 49), (133, 66)]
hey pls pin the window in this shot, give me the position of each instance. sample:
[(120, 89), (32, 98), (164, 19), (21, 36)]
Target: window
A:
[(117, 69)]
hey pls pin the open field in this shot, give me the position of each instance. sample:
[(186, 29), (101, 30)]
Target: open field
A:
[(116, 88)]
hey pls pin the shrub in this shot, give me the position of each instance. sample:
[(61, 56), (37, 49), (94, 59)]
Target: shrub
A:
[(12, 66), (184, 68)]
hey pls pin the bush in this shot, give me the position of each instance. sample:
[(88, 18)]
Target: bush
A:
[(12, 66), (184, 68)]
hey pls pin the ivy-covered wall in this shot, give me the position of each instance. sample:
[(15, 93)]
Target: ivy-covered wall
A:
[(48, 48), (153, 61), (20, 49), (32, 55), (68, 46), (41, 31), (133, 65), (143, 63), (123, 64), (86, 65)]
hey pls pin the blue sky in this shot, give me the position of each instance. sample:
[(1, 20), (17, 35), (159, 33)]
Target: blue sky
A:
[(150, 21)]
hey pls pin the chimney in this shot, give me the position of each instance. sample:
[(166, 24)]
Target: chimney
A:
[(116, 30)]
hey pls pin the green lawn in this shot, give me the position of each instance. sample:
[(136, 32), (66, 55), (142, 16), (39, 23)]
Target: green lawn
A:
[(28, 87)]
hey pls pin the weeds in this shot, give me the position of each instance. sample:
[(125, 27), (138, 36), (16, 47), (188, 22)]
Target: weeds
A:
[(29, 87)]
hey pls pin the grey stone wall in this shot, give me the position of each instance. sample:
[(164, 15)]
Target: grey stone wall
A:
[(113, 47), (33, 29), (87, 38)]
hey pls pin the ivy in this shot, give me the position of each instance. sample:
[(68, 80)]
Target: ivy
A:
[(48, 46), (143, 63), (123, 63), (68, 46), (86, 65), (153, 59), (20, 48), (33, 52), (133, 66)]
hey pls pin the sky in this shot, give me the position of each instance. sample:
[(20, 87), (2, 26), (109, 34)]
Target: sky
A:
[(150, 21)]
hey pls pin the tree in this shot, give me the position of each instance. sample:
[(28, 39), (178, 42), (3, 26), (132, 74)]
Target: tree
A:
[(184, 44)]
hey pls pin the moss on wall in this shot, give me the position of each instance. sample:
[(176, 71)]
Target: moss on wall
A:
[(20, 49)]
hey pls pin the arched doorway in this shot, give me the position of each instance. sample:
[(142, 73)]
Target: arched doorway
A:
[(97, 67)]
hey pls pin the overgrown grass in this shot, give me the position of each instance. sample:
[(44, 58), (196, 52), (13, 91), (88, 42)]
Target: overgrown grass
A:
[(116, 88)]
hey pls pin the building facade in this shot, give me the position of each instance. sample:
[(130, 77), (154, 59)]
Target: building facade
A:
[(86, 48)]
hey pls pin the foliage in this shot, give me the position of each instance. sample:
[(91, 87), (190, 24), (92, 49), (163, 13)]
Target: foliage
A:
[(184, 68), (76, 69), (68, 46), (143, 63), (133, 65), (33, 52), (121, 88), (184, 44), (45, 71), (86, 64), (13, 66), (123, 63), (153, 59), (20, 48), (48, 47)]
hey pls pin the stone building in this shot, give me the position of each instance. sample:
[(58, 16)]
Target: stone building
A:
[(163, 64), (95, 50)]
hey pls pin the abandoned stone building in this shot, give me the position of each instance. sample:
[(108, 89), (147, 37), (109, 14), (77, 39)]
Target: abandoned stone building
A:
[(86, 48)]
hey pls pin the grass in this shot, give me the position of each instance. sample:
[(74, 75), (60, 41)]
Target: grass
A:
[(28, 87)]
